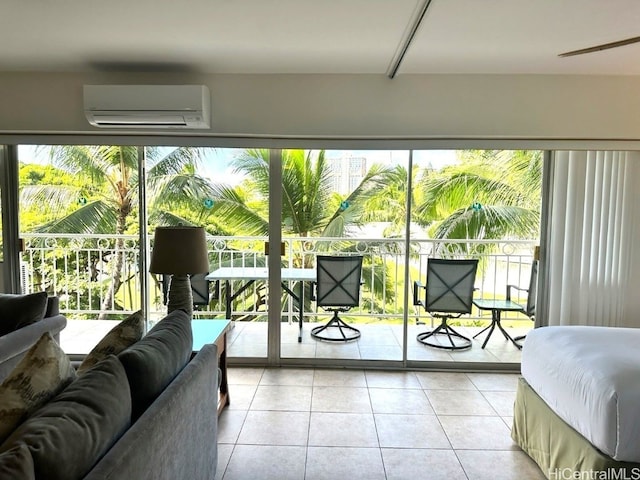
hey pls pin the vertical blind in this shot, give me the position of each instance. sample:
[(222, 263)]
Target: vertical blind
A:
[(590, 243)]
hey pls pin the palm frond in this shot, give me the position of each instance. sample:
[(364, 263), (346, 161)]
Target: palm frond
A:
[(488, 222), (357, 202), (164, 162), (54, 198), (230, 207), (96, 217)]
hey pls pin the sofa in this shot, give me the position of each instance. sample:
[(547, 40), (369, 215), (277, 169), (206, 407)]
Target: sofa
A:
[(147, 412), (15, 343), (176, 437)]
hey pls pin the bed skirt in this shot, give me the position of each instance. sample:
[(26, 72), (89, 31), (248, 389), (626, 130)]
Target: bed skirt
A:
[(558, 449)]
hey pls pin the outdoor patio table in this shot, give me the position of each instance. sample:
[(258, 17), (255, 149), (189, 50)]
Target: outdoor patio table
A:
[(496, 307), (249, 275)]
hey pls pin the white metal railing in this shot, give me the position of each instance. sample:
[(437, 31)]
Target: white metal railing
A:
[(79, 268)]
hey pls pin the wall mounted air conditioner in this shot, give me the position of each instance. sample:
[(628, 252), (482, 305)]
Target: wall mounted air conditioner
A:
[(147, 106)]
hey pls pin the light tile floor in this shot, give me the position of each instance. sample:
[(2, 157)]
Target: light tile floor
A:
[(356, 424), (378, 342)]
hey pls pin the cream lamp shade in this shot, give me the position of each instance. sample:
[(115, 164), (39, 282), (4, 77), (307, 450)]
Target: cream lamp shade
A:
[(179, 252)]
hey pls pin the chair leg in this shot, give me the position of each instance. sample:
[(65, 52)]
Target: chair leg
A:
[(444, 330), (518, 340), (347, 332), (490, 328), (495, 322)]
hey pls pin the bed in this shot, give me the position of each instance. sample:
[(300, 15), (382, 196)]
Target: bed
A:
[(577, 400)]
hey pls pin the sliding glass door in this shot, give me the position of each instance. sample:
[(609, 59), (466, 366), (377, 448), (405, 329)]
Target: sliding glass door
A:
[(269, 214), (79, 224), (343, 203)]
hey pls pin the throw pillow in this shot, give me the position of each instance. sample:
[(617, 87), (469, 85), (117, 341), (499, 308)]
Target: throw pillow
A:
[(123, 335), (42, 373), (153, 362), (68, 435), (17, 463), (17, 311)]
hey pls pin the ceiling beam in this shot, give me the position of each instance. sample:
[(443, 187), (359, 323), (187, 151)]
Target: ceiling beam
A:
[(410, 32)]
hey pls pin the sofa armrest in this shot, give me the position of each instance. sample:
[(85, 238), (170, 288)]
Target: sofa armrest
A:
[(14, 345), (53, 306), (176, 437)]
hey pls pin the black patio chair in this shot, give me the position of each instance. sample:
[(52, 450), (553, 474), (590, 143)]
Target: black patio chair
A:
[(199, 289), (448, 294), (337, 289), (529, 309)]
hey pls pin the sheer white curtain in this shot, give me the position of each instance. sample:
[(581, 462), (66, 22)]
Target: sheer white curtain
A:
[(590, 252)]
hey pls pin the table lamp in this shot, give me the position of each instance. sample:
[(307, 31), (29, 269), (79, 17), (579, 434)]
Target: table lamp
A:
[(179, 252)]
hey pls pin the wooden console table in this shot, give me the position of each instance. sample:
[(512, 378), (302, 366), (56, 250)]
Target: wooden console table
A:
[(214, 331)]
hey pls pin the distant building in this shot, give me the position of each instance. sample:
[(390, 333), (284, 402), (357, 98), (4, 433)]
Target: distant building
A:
[(347, 173)]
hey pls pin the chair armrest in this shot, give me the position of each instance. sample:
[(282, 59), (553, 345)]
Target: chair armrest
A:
[(417, 285), (53, 306), (509, 287), (313, 293)]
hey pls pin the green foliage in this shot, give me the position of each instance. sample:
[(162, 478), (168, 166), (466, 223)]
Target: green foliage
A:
[(94, 190), (38, 204), (309, 206), (489, 195)]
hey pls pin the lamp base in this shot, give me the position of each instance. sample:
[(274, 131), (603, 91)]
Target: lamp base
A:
[(180, 296)]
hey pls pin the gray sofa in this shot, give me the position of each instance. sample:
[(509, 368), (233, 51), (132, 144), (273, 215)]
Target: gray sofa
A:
[(147, 413), (14, 345), (176, 437)]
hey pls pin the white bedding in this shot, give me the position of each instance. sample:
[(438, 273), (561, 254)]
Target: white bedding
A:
[(590, 376)]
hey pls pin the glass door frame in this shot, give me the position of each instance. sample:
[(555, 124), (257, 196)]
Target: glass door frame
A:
[(11, 244)]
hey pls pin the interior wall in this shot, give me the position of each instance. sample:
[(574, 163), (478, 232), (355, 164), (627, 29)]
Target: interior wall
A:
[(354, 106), (583, 111)]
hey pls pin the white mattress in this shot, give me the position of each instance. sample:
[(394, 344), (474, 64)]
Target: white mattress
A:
[(590, 376)]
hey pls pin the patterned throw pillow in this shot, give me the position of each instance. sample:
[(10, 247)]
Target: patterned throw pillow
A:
[(122, 336), (42, 373), (69, 434), (17, 311)]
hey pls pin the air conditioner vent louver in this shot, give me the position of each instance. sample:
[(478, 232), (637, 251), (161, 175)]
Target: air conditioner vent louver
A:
[(147, 106)]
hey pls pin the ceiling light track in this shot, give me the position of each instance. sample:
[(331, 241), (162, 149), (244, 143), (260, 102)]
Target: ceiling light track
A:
[(419, 14), (605, 46)]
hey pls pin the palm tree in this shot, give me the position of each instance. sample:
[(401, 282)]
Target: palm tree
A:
[(490, 195), (108, 186), (309, 206), (389, 204)]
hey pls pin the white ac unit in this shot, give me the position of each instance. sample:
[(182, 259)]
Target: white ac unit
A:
[(147, 106)]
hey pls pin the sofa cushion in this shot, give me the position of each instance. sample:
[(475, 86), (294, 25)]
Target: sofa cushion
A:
[(123, 335), (17, 311), (68, 435), (155, 360), (42, 373), (17, 463)]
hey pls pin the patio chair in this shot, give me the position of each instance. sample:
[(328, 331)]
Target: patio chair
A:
[(337, 289), (529, 309), (199, 288), (448, 294)]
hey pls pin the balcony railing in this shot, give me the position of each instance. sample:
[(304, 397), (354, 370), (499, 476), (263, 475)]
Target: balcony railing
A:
[(80, 269)]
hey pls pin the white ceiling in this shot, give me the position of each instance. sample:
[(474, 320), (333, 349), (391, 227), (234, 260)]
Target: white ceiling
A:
[(317, 36)]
